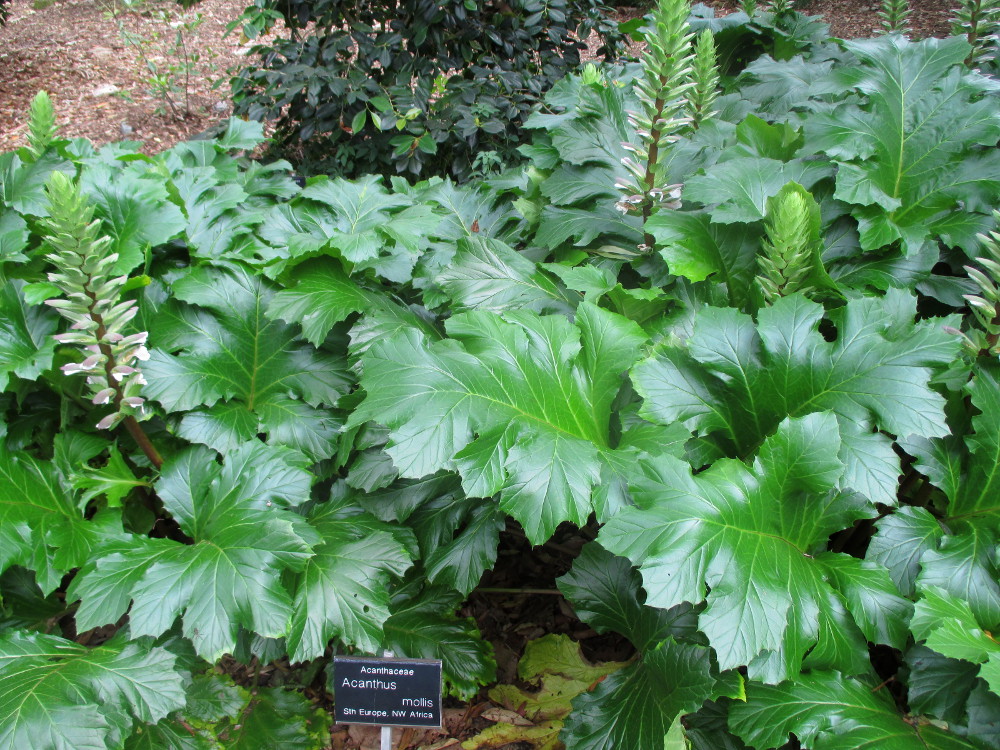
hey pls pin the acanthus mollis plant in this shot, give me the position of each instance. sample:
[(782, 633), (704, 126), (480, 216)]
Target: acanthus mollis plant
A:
[(895, 15), (127, 571), (676, 91), (817, 333), (92, 301), (790, 259), (663, 91), (979, 22), (782, 460)]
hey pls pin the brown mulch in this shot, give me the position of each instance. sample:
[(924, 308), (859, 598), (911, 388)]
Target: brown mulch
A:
[(73, 50), (850, 19)]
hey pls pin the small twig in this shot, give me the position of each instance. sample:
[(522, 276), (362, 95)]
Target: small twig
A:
[(187, 73), (884, 683)]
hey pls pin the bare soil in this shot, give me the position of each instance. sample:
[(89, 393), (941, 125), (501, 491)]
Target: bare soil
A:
[(99, 82), (850, 19)]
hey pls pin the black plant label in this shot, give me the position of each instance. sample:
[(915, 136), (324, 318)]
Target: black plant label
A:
[(387, 691)]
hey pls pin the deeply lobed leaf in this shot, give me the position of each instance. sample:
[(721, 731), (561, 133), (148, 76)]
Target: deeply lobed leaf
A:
[(909, 155), (235, 373), (230, 575), (343, 589), (41, 527), (734, 381), (520, 405), (742, 539), (828, 711), (57, 694)]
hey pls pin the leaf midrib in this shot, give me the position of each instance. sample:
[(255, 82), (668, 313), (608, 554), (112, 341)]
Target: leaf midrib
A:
[(464, 392)]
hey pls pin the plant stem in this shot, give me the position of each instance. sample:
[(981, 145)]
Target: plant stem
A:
[(654, 153), (650, 178), (143, 441)]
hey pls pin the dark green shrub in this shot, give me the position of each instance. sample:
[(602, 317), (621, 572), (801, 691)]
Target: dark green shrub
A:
[(422, 87)]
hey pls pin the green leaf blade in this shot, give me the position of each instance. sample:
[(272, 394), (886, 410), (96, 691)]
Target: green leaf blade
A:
[(56, 693), (342, 592), (222, 349), (230, 576), (747, 535), (520, 403), (635, 707), (828, 711)]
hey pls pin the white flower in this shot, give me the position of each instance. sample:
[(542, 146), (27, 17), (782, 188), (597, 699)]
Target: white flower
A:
[(135, 338), (92, 362), (74, 368), (108, 422), (103, 396), (121, 371)]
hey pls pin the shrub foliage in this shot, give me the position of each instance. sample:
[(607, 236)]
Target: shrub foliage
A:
[(419, 87)]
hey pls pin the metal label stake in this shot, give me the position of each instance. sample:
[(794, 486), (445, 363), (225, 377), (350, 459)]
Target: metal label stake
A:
[(387, 731)]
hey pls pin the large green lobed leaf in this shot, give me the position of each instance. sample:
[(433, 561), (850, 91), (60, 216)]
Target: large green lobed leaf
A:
[(58, 694), (343, 589), (734, 381), (520, 405), (229, 577), (635, 706), (829, 711), (41, 527), (908, 154), (744, 540), (234, 373)]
